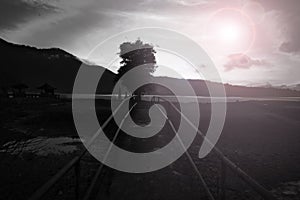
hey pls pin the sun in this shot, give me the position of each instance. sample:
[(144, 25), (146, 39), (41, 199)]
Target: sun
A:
[(229, 32)]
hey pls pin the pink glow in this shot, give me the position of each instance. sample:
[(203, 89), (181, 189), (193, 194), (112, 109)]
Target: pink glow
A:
[(231, 30)]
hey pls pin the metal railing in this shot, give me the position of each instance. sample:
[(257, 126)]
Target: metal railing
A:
[(225, 163), (93, 183), (74, 163)]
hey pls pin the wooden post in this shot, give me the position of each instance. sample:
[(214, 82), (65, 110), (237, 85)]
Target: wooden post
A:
[(222, 181), (77, 181)]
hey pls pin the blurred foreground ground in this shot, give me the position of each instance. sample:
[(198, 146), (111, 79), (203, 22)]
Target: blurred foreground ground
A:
[(261, 137)]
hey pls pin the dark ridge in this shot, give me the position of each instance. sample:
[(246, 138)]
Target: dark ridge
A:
[(33, 67)]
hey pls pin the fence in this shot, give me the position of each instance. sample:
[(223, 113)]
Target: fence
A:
[(225, 163)]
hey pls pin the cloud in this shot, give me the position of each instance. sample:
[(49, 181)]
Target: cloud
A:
[(71, 28), (242, 61), (194, 3), (289, 23), (291, 31), (16, 12), (290, 47), (76, 23), (68, 28)]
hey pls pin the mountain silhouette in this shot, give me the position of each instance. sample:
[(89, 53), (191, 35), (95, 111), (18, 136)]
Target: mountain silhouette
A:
[(33, 66)]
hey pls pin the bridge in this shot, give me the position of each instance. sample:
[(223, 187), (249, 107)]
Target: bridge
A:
[(92, 190)]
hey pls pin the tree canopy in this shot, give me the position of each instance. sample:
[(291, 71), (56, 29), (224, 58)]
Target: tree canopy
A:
[(137, 54)]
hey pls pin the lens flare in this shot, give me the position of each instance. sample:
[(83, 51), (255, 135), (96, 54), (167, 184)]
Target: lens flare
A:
[(229, 33), (230, 30)]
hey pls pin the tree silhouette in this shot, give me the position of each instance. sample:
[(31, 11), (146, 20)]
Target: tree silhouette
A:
[(136, 54)]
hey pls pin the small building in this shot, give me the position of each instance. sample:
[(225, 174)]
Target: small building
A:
[(47, 90)]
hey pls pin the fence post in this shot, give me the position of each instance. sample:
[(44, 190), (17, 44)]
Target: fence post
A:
[(77, 181), (222, 181)]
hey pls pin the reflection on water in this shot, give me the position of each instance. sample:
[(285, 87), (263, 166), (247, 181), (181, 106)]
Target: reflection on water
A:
[(42, 146), (187, 99)]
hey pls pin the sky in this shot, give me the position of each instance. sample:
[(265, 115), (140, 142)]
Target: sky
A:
[(250, 42)]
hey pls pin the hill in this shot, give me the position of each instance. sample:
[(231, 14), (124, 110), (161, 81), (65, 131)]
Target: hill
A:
[(34, 67), (200, 87)]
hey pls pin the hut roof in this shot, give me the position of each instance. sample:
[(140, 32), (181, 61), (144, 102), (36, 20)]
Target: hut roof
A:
[(46, 86)]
